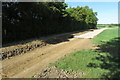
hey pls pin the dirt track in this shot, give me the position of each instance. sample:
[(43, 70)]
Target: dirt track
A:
[(26, 65), (91, 34)]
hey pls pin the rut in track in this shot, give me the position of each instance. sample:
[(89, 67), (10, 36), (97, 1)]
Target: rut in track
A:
[(26, 65)]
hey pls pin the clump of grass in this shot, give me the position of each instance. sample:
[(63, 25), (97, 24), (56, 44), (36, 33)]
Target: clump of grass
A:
[(79, 61)]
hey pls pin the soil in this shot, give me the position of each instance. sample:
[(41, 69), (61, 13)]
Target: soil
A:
[(37, 60), (27, 65), (54, 72), (17, 48)]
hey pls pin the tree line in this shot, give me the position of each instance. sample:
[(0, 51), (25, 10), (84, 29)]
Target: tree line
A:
[(24, 20)]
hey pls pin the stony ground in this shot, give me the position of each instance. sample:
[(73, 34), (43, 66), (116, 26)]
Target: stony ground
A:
[(54, 72)]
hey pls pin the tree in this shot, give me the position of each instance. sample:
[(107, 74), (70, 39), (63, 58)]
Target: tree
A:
[(24, 20)]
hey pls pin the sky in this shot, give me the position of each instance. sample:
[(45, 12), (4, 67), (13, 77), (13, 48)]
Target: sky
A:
[(92, 0), (107, 11)]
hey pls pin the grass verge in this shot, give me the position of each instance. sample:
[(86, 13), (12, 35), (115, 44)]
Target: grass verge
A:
[(96, 63), (105, 36), (80, 61)]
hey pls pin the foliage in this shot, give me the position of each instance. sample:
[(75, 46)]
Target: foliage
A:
[(86, 17), (24, 20), (99, 26), (107, 25), (114, 24)]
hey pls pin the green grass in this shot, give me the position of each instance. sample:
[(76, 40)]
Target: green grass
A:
[(94, 63), (106, 26), (79, 61), (105, 36)]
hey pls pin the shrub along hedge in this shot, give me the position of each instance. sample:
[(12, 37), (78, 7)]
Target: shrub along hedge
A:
[(24, 20)]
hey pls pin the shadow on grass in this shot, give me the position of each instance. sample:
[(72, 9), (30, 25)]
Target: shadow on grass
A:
[(111, 61), (111, 46)]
